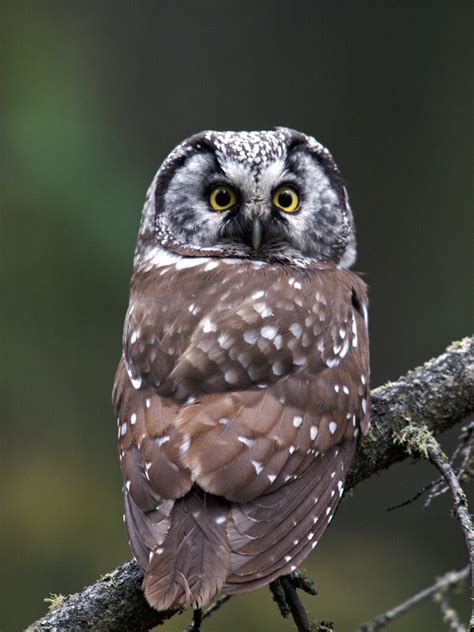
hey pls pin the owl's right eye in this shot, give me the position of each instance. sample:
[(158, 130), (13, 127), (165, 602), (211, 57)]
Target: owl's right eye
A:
[(222, 198)]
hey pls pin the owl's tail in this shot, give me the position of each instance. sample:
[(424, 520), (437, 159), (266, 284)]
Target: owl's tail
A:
[(192, 564)]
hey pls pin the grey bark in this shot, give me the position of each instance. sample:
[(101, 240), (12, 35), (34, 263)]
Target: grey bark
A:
[(438, 394)]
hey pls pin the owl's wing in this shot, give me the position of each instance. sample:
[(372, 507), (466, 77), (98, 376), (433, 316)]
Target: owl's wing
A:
[(167, 519), (247, 443), (281, 455), (271, 535)]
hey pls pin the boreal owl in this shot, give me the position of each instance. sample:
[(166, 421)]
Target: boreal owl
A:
[(243, 382)]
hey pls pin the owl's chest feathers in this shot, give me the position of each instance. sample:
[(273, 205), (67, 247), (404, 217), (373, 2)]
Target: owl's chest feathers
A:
[(220, 326)]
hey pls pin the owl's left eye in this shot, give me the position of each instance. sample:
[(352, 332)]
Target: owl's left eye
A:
[(222, 198), (286, 198)]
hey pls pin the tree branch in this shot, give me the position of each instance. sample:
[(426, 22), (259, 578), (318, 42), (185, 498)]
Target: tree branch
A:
[(442, 585), (418, 439), (285, 596), (439, 394), (461, 510)]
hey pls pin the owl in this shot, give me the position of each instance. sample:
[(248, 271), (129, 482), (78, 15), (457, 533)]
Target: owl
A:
[(243, 381)]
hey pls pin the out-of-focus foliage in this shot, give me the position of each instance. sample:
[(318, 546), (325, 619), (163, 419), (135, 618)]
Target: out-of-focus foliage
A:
[(93, 96)]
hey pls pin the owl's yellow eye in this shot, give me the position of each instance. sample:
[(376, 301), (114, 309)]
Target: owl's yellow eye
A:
[(222, 198), (286, 198)]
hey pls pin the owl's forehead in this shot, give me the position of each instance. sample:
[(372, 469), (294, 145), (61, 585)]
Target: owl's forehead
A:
[(254, 149)]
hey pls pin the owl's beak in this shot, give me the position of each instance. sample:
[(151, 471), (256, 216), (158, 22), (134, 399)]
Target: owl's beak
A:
[(256, 232)]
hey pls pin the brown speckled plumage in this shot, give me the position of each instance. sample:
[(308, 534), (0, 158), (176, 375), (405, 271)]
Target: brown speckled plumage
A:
[(241, 391)]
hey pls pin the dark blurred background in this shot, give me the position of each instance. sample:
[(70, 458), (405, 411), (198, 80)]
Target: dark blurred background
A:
[(93, 97)]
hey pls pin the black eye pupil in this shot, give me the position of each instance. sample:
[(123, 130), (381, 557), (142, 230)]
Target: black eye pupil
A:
[(222, 197), (285, 199)]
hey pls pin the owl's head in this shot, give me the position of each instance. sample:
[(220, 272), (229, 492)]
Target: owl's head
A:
[(271, 196)]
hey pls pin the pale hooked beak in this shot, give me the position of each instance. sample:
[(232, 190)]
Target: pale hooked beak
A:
[(256, 232)]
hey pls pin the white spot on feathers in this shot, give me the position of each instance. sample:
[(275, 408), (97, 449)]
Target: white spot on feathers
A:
[(246, 441), (224, 341), (366, 315), (258, 466), (278, 368), (345, 348), (251, 336), (136, 382), (231, 376), (269, 332), (211, 265), (296, 330), (299, 360), (133, 419), (185, 443), (190, 262), (278, 342), (297, 421), (208, 326), (262, 309), (332, 427), (313, 432)]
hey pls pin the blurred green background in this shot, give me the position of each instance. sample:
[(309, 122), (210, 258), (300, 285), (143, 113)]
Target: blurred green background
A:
[(93, 96)]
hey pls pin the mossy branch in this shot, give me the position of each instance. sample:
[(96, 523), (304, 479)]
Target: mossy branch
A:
[(439, 395)]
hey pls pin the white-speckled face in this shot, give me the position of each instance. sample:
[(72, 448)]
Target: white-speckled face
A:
[(178, 215)]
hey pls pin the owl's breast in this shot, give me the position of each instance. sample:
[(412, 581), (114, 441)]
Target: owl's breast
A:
[(226, 325)]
